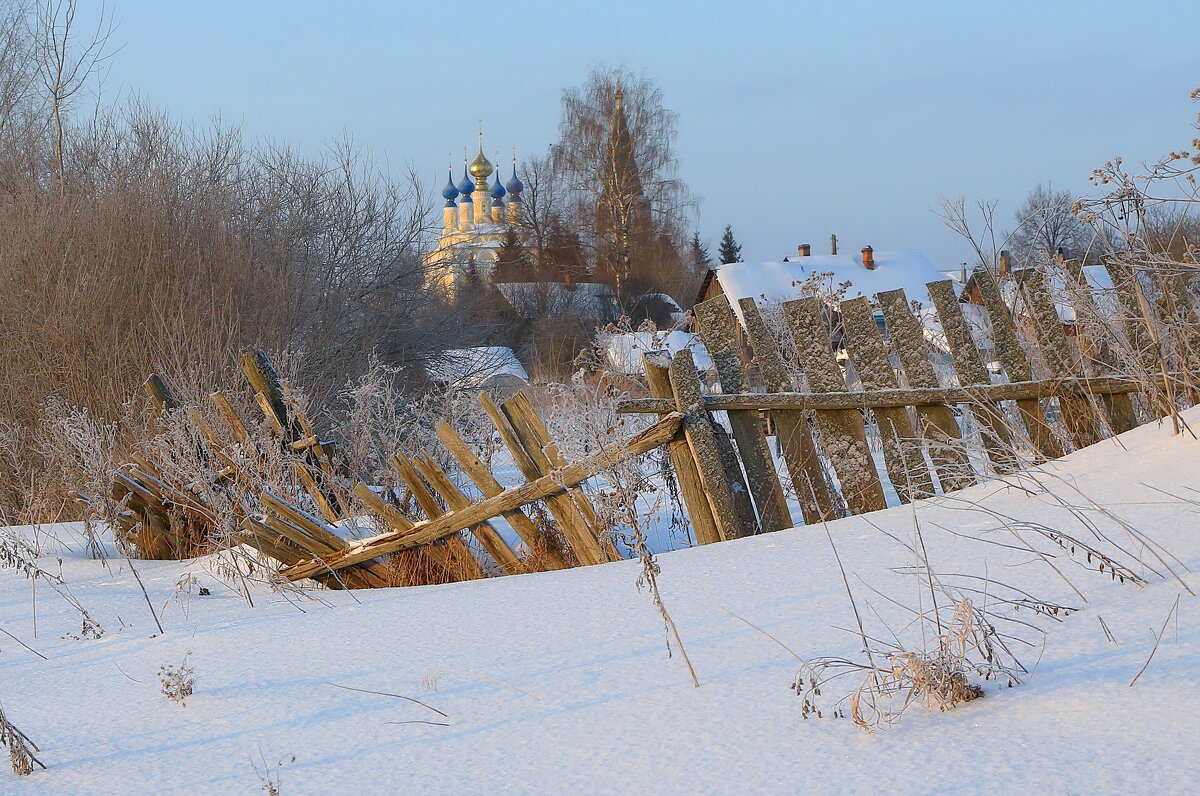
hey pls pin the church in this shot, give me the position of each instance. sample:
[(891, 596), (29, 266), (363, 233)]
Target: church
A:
[(475, 221)]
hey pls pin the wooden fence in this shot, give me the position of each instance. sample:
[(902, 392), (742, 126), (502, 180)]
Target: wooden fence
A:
[(726, 471), (165, 517), (822, 434)]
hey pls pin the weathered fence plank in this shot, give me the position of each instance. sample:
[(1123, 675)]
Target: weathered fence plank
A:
[(1079, 413), (570, 521), (812, 487), (691, 487), (935, 423), (545, 457), (973, 374), (1096, 340), (1015, 364), (554, 483), (902, 453), (540, 544), (484, 533), (843, 434), (685, 385), (718, 329)]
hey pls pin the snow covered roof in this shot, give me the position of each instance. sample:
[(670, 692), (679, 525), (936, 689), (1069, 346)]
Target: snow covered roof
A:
[(624, 350), (770, 282), (537, 299), (478, 368), (977, 322)]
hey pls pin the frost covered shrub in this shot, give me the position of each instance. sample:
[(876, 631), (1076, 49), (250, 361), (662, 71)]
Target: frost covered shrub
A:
[(177, 682)]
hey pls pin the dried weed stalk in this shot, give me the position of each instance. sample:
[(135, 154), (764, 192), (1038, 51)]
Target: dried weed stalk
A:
[(20, 748)]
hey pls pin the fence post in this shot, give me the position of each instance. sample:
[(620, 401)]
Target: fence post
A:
[(691, 487), (685, 385)]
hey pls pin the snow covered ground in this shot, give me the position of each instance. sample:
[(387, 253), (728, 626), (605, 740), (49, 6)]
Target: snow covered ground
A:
[(560, 682)]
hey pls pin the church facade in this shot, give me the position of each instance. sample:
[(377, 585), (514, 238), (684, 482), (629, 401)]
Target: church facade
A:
[(476, 219)]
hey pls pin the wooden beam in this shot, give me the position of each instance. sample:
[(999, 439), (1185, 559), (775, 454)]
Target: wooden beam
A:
[(552, 484)]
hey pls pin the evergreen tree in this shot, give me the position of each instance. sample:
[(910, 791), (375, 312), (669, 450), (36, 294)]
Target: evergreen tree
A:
[(512, 261), (698, 257), (729, 251)]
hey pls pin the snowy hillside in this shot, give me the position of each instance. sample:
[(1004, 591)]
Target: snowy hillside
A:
[(561, 682)]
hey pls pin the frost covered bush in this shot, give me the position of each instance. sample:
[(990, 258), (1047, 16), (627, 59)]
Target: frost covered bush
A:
[(177, 681)]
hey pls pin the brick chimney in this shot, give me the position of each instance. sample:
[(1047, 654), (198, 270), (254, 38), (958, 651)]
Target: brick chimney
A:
[(1005, 263), (833, 244), (868, 257), (804, 249)]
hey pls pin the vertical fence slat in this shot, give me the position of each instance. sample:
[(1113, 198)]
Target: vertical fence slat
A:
[(1015, 364), (843, 434), (691, 487), (901, 449), (1096, 340), (1079, 413), (540, 545), (685, 386), (562, 508), (937, 423), (718, 329), (812, 487), (997, 439), (1146, 352)]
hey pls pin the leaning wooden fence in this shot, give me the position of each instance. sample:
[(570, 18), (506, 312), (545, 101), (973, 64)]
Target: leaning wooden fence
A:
[(822, 433), (919, 415)]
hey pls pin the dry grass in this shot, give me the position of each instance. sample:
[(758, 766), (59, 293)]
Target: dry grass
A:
[(20, 747)]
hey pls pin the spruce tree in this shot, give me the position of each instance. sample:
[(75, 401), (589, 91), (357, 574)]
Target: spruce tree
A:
[(729, 251), (699, 258)]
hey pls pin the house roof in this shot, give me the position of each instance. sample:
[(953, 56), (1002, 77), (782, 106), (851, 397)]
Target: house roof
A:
[(539, 299), (779, 281), (476, 368), (624, 350)]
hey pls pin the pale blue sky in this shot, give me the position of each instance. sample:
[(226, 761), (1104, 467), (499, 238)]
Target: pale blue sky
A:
[(795, 119)]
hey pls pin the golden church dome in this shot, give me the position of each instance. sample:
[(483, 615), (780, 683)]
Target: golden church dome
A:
[(481, 167)]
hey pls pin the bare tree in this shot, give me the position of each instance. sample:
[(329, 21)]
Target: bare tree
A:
[(65, 63), (1046, 222), (616, 152)]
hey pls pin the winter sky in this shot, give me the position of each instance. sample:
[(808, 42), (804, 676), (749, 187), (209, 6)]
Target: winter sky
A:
[(796, 119)]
